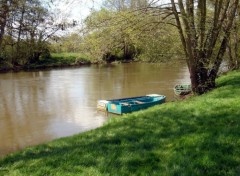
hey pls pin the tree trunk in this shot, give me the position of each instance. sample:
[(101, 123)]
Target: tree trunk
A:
[(232, 48), (202, 79), (19, 34), (3, 20), (203, 54)]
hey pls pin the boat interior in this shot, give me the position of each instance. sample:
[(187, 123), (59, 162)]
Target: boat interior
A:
[(133, 101)]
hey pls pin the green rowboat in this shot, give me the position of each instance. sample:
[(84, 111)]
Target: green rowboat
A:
[(182, 89)]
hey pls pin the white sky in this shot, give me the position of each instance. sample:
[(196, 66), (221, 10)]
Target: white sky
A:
[(78, 9), (69, 10)]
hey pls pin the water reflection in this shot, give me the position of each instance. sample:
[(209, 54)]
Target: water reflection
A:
[(40, 106)]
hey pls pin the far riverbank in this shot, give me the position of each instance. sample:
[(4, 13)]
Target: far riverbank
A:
[(55, 60)]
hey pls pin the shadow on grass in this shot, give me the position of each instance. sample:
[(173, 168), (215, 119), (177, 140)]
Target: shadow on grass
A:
[(187, 138)]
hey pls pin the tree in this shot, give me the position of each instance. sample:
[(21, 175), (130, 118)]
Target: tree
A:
[(25, 27), (4, 11), (103, 27), (204, 38), (233, 46), (69, 43), (130, 29)]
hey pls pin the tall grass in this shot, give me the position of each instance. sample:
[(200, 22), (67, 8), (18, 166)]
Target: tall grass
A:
[(198, 136)]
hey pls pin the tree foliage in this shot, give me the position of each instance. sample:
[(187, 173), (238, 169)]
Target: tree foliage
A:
[(25, 27), (69, 43), (129, 29)]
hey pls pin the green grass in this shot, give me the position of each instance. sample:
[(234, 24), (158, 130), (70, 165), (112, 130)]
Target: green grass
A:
[(61, 60), (198, 136), (71, 57)]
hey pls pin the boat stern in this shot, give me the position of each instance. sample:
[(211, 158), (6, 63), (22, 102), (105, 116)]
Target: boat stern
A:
[(115, 108), (102, 105)]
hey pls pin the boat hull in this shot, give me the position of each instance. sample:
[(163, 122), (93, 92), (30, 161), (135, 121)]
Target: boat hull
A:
[(128, 105)]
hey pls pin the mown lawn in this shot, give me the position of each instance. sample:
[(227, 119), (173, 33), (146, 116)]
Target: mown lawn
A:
[(198, 136)]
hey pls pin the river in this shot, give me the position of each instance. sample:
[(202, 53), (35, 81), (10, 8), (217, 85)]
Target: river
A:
[(39, 106)]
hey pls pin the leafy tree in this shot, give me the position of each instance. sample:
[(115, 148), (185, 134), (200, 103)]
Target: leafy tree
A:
[(159, 45), (204, 38), (233, 46), (69, 43), (4, 12), (129, 29), (26, 26), (106, 39)]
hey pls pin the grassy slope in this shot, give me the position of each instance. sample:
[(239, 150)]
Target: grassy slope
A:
[(199, 136)]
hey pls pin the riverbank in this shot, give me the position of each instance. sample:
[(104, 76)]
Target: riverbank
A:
[(57, 60), (197, 136)]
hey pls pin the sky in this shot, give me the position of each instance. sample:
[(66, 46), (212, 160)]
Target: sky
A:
[(69, 10), (78, 9)]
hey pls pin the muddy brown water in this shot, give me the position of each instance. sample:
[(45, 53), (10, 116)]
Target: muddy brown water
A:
[(39, 106)]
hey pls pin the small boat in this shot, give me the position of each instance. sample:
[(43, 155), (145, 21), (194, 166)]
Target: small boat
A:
[(128, 105), (182, 89)]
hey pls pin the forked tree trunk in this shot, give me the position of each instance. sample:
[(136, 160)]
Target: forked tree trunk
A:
[(202, 78), (204, 56)]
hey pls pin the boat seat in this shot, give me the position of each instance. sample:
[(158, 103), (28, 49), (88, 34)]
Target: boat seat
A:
[(139, 102), (125, 104)]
